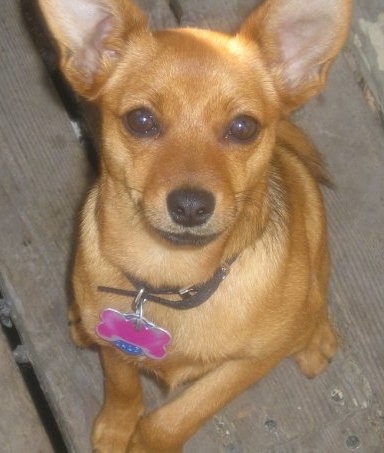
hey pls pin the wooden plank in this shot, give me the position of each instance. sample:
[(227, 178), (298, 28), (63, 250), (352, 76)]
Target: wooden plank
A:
[(366, 44), (287, 413), (43, 179), (159, 13), (223, 15), (355, 433), (20, 426)]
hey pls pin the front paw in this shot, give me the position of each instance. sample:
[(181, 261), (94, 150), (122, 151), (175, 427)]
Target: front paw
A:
[(111, 432), (319, 351), (143, 442)]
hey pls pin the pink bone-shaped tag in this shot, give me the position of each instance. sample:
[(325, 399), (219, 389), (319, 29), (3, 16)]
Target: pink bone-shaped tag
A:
[(116, 326)]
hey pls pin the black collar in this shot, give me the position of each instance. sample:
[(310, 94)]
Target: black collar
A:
[(190, 297)]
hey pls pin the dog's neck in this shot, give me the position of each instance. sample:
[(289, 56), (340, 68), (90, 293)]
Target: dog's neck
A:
[(172, 297)]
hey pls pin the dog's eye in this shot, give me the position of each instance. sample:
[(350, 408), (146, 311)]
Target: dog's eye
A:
[(141, 123), (243, 128)]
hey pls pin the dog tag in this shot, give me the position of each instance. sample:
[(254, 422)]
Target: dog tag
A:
[(133, 334)]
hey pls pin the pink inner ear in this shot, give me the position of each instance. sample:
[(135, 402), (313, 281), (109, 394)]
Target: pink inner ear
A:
[(100, 33), (88, 57), (294, 36), (302, 44)]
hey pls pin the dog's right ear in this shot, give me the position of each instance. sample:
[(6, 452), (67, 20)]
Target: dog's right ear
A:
[(299, 40), (91, 35)]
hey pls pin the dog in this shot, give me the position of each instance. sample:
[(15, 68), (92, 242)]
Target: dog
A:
[(202, 255)]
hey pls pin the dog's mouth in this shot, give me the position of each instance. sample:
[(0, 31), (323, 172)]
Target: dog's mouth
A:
[(186, 217), (187, 238)]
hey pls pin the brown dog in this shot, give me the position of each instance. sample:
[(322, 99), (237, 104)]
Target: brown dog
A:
[(204, 185)]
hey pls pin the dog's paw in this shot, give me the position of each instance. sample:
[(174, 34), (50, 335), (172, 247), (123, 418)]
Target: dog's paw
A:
[(149, 438), (138, 445), (111, 432), (110, 440), (319, 351)]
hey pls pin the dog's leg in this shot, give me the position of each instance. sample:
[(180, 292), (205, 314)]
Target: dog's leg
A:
[(320, 349), (78, 334), (123, 404), (170, 426)]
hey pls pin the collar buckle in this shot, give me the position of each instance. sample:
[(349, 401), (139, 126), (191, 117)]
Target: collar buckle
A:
[(188, 291)]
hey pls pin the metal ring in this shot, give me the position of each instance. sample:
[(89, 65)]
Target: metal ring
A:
[(139, 303)]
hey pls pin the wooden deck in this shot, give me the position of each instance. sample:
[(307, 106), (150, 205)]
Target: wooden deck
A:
[(44, 173)]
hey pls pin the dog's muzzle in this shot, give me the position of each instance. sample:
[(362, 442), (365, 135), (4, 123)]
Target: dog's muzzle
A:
[(189, 211)]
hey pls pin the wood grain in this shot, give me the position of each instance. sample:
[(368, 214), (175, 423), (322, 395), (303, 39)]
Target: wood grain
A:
[(19, 422), (43, 180), (223, 15), (159, 13), (366, 45)]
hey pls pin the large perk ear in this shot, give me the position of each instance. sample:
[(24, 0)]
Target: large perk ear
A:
[(91, 35), (299, 40)]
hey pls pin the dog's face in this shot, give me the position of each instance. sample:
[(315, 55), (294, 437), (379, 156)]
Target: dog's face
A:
[(189, 128), (189, 116)]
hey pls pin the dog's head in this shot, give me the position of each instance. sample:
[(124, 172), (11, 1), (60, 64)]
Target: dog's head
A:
[(190, 116)]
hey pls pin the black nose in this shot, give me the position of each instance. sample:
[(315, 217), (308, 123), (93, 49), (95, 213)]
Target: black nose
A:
[(190, 207)]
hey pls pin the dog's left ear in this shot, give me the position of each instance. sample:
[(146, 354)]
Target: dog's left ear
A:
[(299, 40), (91, 35)]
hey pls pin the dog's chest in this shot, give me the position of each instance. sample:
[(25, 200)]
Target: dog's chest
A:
[(228, 325)]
